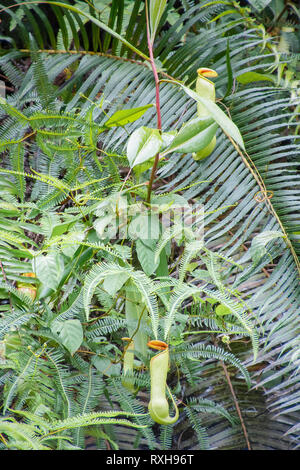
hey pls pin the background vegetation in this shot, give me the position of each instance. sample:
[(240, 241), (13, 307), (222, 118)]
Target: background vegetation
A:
[(232, 306)]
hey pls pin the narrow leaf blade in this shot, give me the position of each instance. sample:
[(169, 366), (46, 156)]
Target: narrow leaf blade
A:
[(157, 8), (218, 115), (193, 136), (125, 116)]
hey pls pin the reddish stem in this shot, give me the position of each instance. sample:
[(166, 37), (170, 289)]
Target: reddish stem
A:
[(156, 87), (153, 66), (150, 47)]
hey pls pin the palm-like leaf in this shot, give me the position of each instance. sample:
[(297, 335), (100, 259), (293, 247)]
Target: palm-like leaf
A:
[(261, 185)]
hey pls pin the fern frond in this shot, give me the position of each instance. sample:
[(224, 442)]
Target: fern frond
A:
[(209, 406), (90, 419), (105, 326), (165, 437), (198, 428), (61, 376), (140, 280), (178, 296), (210, 352), (239, 313), (28, 364), (132, 405), (23, 436), (190, 251), (13, 321)]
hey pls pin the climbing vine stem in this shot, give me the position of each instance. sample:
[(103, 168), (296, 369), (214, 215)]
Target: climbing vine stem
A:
[(158, 112)]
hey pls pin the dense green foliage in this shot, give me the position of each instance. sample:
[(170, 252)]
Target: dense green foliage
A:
[(79, 138)]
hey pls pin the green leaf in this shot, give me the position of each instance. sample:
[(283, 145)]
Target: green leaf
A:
[(145, 227), (219, 116), (143, 144), (193, 136), (114, 283), (249, 77), (70, 249), (258, 245), (106, 367), (61, 228), (125, 116), (49, 269), (70, 333), (101, 224), (167, 138), (201, 274), (145, 254), (222, 310), (157, 8)]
